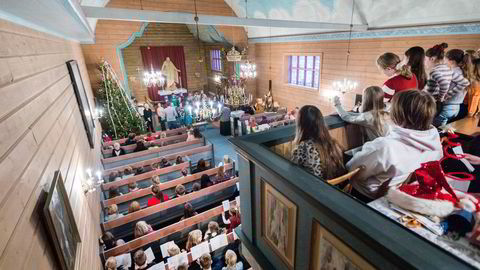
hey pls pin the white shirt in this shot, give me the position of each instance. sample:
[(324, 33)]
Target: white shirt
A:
[(161, 112), (171, 113)]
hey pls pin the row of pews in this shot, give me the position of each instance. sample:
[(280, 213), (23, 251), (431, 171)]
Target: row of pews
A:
[(165, 217)]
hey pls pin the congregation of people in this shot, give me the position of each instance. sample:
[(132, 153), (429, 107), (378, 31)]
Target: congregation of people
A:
[(425, 90)]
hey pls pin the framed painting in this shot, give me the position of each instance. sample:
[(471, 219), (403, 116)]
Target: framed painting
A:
[(279, 221), (82, 100), (60, 223), (329, 252)]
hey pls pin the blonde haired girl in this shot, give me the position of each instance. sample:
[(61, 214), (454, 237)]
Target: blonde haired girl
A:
[(142, 228), (373, 118), (400, 76)]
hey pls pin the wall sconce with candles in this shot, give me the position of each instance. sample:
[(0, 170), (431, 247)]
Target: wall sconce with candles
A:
[(91, 183)]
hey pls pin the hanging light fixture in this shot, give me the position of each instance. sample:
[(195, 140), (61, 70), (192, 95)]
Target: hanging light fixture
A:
[(346, 85), (247, 70), (233, 55), (153, 78)]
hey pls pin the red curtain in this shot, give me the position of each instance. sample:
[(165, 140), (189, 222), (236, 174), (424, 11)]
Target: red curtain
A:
[(153, 57)]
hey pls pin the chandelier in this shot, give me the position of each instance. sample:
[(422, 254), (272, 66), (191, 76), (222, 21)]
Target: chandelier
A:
[(153, 78), (233, 55), (344, 86), (248, 70)]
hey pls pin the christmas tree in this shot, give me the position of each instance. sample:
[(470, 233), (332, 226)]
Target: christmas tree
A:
[(120, 116)]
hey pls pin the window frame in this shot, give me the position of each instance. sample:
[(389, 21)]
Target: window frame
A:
[(217, 60), (314, 71)]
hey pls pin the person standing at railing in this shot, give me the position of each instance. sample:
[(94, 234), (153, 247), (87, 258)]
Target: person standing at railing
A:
[(162, 117)]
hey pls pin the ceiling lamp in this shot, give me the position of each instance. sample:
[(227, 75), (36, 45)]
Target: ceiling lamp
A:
[(347, 85), (233, 55), (248, 70), (153, 78)]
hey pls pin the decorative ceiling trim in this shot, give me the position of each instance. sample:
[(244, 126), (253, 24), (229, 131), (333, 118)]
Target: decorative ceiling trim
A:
[(119, 49), (456, 29)]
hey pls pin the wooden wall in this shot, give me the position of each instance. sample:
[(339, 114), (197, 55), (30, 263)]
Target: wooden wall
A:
[(162, 34), (362, 67), (110, 34), (41, 131)]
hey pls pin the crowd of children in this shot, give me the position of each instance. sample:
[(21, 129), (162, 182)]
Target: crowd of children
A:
[(426, 89)]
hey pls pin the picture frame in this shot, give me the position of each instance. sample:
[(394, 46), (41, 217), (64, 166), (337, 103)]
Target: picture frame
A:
[(329, 252), (60, 223), (82, 100), (279, 221)]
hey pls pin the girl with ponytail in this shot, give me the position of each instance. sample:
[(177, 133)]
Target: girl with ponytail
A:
[(474, 95), (461, 66), (415, 57), (401, 77)]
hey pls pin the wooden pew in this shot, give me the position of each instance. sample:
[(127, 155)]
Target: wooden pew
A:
[(129, 148), (112, 162), (166, 231), (187, 153), (166, 185), (170, 132), (146, 212), (144, 176)]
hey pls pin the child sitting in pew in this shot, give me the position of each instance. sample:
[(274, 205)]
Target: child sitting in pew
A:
[(180, 190), (141, 262), (188, 211), (373, 119), (150, 137), (221, 175), (130, 139), (231, 261), (164, 163), (201, 166), (233, 221), (158, 196), (205, 262), (196, 187), (132, 187), (113, 192), (178, 160), (141, 229), (213, 230), (205, 181), (110, 242), (173, 250), (412, 141), (112, 211), (315, 150), (111, 264), (117, 150), (140, 146), (156, 180), (112, 176), (128, 172), (134, 207), (194, 238)]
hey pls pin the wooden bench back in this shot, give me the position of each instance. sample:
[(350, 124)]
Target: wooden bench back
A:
[(145, 212), (111, 161), (166, 231), (164, 186), (131, 147), (169, 132), (173, 156)]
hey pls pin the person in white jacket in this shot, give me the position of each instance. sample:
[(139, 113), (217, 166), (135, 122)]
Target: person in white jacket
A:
[(412, 141), (373, 118)]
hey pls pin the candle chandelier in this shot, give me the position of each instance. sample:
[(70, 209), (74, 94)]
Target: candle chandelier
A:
[(347, 85), (153, 78), (247, 70)]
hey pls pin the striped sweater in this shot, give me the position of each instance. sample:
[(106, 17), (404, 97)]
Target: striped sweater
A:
[(439, 81), (458, 87)]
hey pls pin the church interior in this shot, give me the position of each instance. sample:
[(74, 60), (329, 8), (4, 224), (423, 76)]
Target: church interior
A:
[(239, 134)]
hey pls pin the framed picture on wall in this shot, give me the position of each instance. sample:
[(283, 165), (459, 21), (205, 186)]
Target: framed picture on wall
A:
[(82, 100), (329, 252), (60, 223), (279, 221)]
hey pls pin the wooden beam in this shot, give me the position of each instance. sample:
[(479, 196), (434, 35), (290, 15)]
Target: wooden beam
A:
[(164, 186), (122, 14), (166, 231), (168, 204), (206, 148)]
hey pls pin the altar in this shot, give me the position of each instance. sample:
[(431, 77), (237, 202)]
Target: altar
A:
[(167, 95)]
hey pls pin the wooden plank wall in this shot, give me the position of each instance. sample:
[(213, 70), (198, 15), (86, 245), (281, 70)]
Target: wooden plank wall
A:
[(163, 34), (41, 131), (362, 67), (110, 34)]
